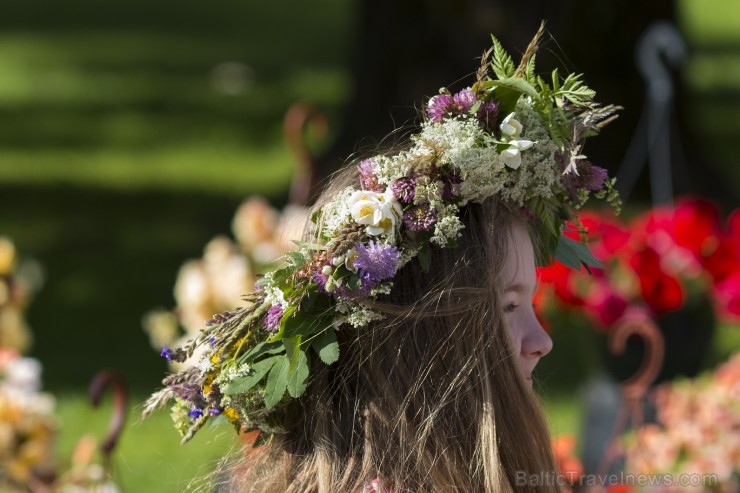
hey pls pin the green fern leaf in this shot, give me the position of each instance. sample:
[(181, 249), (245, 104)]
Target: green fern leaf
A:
[(501, 63)]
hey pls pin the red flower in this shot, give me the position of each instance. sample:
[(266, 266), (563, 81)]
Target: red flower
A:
[(696, 225), (660, 291), (604, 305), (724, 260), (606, 235), (728, 295)]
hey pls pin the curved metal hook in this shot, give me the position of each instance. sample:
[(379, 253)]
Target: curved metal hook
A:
[(661, 45), (103, 380), (636, 386), (659, 49), (296, 119)]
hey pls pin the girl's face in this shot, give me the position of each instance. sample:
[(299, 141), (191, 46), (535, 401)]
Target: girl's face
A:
[(529, 339)]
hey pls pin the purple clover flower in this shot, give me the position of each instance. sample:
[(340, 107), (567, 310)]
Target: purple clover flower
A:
[(368, 180), (376, 261), (464, 100), (272, 319), (595, 178), (212, 411), (404, 189), (590, 176), (488, 114), (439, 106), (321, 279), (420, 218)]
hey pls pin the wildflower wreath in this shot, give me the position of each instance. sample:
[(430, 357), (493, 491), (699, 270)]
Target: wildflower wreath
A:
[(512, 134)]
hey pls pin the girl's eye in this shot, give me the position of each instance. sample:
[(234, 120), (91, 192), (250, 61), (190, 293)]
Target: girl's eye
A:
[(510, 307)]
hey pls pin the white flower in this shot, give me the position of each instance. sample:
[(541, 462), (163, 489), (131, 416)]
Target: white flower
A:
[(521, 144), (511, 126), (349, 261), (572, 164), (512, 156), (380, 212)]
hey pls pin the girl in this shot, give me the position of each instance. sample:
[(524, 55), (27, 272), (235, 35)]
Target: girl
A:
[(395, 350)]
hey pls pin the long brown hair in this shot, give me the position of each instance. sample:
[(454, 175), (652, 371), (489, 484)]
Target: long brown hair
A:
[(430, 399)]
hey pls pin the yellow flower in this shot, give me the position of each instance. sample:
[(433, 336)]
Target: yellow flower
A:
[(232, 414), (7, 255)]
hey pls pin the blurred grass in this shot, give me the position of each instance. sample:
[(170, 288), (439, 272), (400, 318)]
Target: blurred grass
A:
[(162, 94), (129, 133), (712, 76), (149, 456)]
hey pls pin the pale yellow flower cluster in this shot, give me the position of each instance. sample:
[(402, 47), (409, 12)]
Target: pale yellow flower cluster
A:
[(227, 270), (18, 281), (27, 423)]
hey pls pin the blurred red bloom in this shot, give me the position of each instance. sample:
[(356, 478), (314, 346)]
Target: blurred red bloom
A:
[(662, 292), (656, 261)]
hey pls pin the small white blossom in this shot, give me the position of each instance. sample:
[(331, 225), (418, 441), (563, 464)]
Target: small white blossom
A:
[(446, 229), (205, 365), (379, 212), (388, 170), (511, 157), (511, 126), (350, 258), (338, 260), (572, 163), (335, 214), (230, 372)]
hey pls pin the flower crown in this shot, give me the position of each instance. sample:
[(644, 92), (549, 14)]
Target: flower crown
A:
[(513, 135)]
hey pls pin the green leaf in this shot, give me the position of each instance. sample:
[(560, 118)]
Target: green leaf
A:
[(574, 253), (327, 346), (575, 91), (256, 373), (295, 258), (353, 282), (287, 315), (506, 98), (292, 348), (309, 246), (281, 275), (501, 63), (519, 85), (305, 325), (217, 421), (555, 81), (259, 350), (277, 382), (529, 74), (299, 377), (425, 257), (316, 304)]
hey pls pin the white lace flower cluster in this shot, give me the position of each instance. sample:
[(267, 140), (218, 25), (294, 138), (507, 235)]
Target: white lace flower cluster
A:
[(519, 165)]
